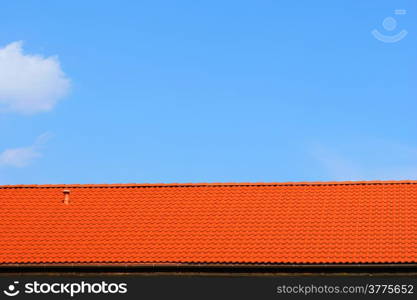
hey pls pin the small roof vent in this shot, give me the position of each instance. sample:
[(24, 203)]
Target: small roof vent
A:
[(66, 196)]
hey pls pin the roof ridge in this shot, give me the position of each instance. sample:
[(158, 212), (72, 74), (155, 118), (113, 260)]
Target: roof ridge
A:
[(214, 184)]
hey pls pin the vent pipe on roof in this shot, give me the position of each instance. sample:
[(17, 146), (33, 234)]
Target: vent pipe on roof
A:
[(66, 196)]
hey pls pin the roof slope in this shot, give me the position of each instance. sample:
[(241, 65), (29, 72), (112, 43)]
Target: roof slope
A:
[(346, 222)]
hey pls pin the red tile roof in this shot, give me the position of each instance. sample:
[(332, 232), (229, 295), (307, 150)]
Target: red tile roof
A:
[(333, 222)]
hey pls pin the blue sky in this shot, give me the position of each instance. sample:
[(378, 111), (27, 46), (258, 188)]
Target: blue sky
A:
[(206, 91)]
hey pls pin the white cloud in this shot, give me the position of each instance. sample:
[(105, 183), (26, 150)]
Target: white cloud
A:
[(29, 83), (336, 166), (375, 160), (23, 156)]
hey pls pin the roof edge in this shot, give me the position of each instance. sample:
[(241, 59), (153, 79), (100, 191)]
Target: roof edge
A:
[(207, 264), (213, 269), (213, 184)]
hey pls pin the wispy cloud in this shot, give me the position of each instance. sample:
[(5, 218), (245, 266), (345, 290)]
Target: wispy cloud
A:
[(376, 160), (29, 83), (335, 165), (24, 156)]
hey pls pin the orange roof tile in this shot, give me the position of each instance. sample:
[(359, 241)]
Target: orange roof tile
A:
[(330, 222)]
